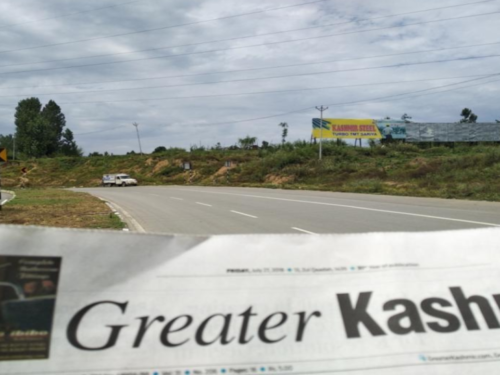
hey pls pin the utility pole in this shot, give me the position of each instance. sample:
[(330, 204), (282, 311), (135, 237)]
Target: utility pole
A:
[(321, 109), (138, 136)]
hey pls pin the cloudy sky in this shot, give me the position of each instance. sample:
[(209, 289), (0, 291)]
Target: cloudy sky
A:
[(207, 71)]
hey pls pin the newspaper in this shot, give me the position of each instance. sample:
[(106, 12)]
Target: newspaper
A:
[(104, 303)]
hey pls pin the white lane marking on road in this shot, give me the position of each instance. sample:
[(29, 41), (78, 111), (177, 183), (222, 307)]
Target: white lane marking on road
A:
[(351, 207), (303, 230), (155, 195), (134, 223), (204, 204), (241, 213), (176, 199)]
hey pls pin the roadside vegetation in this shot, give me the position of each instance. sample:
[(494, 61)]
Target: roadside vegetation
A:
[(459, 171), (58, 208)]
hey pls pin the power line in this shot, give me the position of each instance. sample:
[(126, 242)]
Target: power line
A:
[(455, 89), (243, 80), (69, 14), (403, 95), (100, 131), (248, 37), (164, 27), (363, 101), (250, 46), (256, 69), (283, 91)]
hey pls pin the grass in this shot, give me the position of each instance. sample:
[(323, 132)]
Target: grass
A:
[(58, 208), (459, 171)]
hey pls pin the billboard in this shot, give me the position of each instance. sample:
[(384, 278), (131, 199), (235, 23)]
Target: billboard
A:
[(346, 129), (453, 132), (392, 129)]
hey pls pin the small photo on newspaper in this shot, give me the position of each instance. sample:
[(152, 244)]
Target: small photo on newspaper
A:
[(28, 290)]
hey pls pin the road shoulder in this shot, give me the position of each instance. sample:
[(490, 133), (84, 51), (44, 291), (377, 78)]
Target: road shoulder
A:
[(59, 208)]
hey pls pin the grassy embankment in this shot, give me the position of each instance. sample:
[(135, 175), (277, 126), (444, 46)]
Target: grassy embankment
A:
[(58, 208), (460, 171)]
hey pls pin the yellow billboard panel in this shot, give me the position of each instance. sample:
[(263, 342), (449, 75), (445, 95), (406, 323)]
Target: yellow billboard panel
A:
[(346, 129)]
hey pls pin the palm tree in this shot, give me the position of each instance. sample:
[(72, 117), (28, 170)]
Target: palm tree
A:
[(284, 126)]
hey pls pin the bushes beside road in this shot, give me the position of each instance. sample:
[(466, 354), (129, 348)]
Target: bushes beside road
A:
[(454, 171)]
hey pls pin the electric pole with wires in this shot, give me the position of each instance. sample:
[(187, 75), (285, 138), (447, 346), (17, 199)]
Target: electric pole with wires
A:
[(321, 109), (138, 136)]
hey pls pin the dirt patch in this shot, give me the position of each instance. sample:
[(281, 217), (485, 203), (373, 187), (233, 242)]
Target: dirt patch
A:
[(418, 162), (192, 176), (9, 182), (278, 180), (397, 185), (160, 165), (96, 182), (221, 172), (149, 162)]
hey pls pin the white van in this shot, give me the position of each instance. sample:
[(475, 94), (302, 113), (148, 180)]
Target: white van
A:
[(120, 179)]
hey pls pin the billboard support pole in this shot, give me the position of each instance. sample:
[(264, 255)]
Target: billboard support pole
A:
[(321, 109)]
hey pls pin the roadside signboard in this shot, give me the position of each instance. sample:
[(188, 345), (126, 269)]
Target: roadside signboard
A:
[(392, 129), (346, 129)]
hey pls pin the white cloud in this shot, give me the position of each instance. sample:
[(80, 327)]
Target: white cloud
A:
[(181, 123)]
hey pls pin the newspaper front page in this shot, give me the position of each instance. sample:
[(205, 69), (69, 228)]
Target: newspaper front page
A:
[(102, 303)]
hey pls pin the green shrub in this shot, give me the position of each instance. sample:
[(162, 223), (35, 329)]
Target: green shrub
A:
[(171, 170), (366, 186)]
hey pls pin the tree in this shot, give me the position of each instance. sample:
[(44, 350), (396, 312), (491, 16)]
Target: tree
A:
[(406, 117), (265, 144), (26, 112), (247, 143), (284, 126), (498, 121), (38, 139), (39, 131), (469, 117), (7, 141), (159, 149), (68, 145), (57, 121)]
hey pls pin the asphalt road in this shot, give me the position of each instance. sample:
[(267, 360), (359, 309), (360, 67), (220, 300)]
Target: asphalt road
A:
[(211, 211)]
